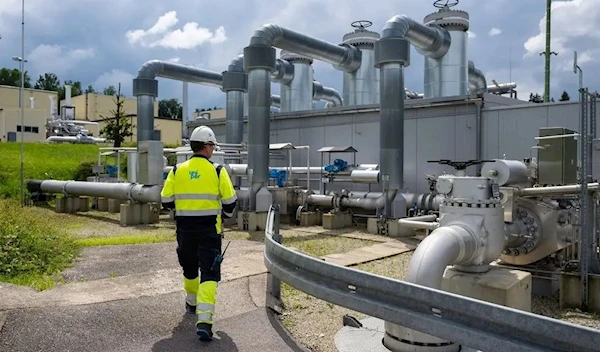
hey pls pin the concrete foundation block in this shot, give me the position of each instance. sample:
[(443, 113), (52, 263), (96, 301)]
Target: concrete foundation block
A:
[(102, 204), (310, 218), (509, 288), (138, 214), (69, 205), (570, 292), (84, 204), (387, 227), (251, 221), (114, 205), (337, 220)]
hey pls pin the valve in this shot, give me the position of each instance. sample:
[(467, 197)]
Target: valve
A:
[(460, 165)]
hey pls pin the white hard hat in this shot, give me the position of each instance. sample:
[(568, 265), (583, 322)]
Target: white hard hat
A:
[(203, 134)]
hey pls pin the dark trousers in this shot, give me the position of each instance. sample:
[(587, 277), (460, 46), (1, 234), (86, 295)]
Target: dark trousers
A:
[(198, 251)]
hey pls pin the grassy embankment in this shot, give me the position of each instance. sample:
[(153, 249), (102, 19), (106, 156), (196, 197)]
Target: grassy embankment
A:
[(35, 243)]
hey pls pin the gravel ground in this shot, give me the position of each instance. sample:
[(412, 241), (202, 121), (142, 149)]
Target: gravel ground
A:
[(314, 322)]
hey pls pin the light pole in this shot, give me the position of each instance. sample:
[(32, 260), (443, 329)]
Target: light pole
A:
[(22, 62)]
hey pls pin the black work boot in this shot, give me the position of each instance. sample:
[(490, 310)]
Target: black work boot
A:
[(204, 331), (190, 309)]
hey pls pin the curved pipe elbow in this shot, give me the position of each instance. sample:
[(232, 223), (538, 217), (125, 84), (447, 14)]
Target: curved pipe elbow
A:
[(283, 73), (157, 68), (267, 35), (328, 94), (432, 41), (477, 79), (151, 69), (445, 246), (237, 64)]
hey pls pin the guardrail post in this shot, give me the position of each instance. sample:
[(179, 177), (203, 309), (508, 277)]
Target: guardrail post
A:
[(273, 283)]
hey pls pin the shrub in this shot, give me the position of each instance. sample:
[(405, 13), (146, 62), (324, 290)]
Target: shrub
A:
[(31, 245), (84, 170)]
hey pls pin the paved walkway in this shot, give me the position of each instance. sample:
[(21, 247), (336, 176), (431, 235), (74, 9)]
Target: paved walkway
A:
[(102, 309), (129, 298)]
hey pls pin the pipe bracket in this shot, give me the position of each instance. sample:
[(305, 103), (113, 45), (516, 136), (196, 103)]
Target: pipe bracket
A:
[(392, 50), (259, 57), (235, 81), (145, 86)]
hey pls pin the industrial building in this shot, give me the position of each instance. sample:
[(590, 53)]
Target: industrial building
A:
[(94, 107), (36, 110), (502, 192)]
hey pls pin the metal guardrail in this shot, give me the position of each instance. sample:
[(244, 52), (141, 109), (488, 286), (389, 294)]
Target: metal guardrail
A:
[(466, 321)]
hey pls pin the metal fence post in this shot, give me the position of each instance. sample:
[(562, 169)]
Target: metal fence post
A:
[(274, 283)]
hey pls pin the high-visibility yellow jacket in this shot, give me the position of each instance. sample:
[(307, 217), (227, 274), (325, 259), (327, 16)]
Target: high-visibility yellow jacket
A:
[(200, 189)]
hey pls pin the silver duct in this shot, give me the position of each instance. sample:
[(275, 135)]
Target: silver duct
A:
[(361, 87), (235, 84), (123, 191), (477, 81), (145, 88), (297, 95), (500, 88), (448, 75), (259, 63), (276, 101), (330, 95)]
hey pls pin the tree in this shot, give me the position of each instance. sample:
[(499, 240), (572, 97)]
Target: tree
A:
[(90, 89), (564, 97), (12, 77), (170, 108), (110, 90), (49, 81), (117, 126)]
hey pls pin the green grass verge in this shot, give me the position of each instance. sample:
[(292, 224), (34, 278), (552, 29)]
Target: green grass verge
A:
[(125, 239), (33, 250), (59, 161)]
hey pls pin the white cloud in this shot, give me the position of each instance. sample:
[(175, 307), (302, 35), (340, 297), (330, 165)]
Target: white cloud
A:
[(174, 59), (56, 59), (162, 34), (573, 22), (494, 32), (472, 35), (113, 78)]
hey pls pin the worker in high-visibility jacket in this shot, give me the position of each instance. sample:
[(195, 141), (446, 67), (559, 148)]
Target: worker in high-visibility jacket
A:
[(201, 193)]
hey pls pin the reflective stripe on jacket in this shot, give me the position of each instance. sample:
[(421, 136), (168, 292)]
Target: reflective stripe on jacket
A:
[(198, 188)]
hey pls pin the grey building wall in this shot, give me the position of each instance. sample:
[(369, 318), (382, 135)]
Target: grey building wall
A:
[(434, 129)]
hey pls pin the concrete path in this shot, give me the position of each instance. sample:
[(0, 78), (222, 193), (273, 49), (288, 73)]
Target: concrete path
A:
[(129, 298)]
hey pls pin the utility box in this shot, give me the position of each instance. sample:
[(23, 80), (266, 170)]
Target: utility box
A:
[(557, 156), (150, 163)]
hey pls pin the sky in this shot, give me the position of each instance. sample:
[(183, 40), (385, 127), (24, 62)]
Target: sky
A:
[(105, 42)]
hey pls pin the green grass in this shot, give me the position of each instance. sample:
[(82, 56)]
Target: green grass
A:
[(126, 239), (59, 161), (33, 250)]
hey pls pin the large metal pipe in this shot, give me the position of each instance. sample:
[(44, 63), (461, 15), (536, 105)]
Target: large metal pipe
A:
[(235, 84), (477, 81), (123, 191), (554, 190), (343, 57), (330, 95), (444, 246), (145, 88), (501, 88)]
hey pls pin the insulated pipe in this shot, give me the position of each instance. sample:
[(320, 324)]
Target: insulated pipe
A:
[(477, 81), (259, 62), (554, 190), (123, 191), (145, 88), (235, 84), (501, 88), (343, 57), (444, 246), (276, 101), (330, 95), (418, 224), (432, 41)]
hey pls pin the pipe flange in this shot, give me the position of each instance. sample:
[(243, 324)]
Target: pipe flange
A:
[(145, 86), (259, 57), (64, 189), (533, 236), (392, 50), (449, 19), (294, 57)]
